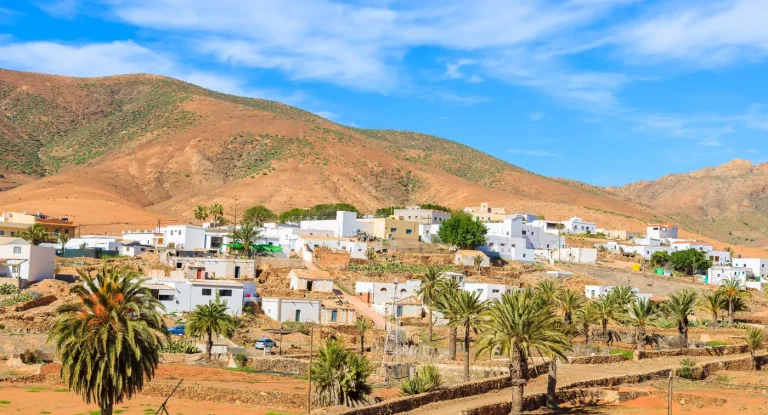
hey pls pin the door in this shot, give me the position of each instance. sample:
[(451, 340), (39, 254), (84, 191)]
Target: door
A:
[(237, 273), (297, 316), (199, 273), (334, 316), (399, 311), (309, 285)]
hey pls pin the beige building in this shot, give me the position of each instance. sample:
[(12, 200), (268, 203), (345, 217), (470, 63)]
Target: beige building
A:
[(311, 280), (406, 307), (467, 258), (389, 228), (13, 223), (337, 312), (484, 213), (621, 234), (422, 216)]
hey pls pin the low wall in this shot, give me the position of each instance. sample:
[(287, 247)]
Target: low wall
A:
[(39, 302), (596, 360), (279, 365), (265, 398), (533, 402), (280, 262), (705, 351), (181, 357)]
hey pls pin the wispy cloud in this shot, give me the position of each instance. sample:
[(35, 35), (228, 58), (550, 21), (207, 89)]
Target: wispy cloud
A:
[(327, 114), (536, 116), (533, 153), (451, 96)]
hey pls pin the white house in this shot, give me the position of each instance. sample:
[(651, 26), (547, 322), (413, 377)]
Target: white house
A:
[(408, 307), (577, 225), (311, 280), (759, 266), (337, 311), (684, 245), (292, 309), (422, 216), (306, 244), (134, 249), (108, 243), (384, 292), (597, 291), (485, 213), (487, 291), (172, 236), (428, 232), (24, 262), (182, 295), (717, 275), (508, 248), (213, 268), (580, 255), (645, 251), (661, 231), (345, 225), (719, 257)]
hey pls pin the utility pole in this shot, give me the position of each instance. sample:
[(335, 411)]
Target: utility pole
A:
[(669, 394), (309, 375)]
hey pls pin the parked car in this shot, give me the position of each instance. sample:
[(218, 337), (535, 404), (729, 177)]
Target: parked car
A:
[(177, 330), (264, 342)]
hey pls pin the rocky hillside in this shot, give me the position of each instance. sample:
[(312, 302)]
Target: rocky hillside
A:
[(727, 202), (128, 150)]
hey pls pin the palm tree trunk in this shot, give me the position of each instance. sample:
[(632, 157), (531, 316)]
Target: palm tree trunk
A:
[(683, 328), (106, 408), (640, 338), (362, 344), (466, 351), (567, 318), (430, 325), (714, 317), (552, 383), (730, 312), (605, 327), (585, 327), (209, 345), (452, 343)]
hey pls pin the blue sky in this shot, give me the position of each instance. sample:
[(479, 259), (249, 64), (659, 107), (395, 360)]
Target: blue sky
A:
[(605, 92)]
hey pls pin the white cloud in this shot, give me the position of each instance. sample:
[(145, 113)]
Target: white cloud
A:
[(327, 114), (533, 153), (710, 143), (536, 116), (451, 96)]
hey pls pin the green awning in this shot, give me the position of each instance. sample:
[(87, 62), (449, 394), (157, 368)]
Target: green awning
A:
[(268, 248)]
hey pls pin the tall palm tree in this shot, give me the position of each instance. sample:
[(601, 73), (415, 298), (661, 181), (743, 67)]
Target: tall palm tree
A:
[(247, 234), (712, 303), (732, 291), (209, 319), (35, 234), (605, 308), (428, 291), (585, 317), (201, 213), (109, 339), (217, 211), (363, 325), (340, 377), (548, 290), (639, 314), (567, 302), (678, 307), (466, 311), (447, 290), (622, 296), (63, 239), (515, 326), (755, 339)]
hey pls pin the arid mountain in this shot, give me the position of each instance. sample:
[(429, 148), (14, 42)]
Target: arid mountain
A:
[(127, 151), (727, 202)]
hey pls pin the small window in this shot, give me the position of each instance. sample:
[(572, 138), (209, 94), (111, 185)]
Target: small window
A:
[(165, 297), (2, 233), (206, 291), (480, 290), (392, 230), (402, 290), (495, 291), (383, 290), (225, 293), (408, 231), (178, 265), (16, 250), (15, 269)]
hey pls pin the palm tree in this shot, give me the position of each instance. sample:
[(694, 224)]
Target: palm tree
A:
[(447, 290), (370, 254), (363, 325), (247, 234), (712, 303), (466, 311), (622, 296), (732, 291), (428, 291), (109, 339), (209, 319), (515, 326), (755, 339), (201, 213), (639, 314), (567, 303), (605, 309), (340, 377), (63, 239), (35, 234), (216, 211), (548, 290), (478, 260), (584, 317), (678, 307)]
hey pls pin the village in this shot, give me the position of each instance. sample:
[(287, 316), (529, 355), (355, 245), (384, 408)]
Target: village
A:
[(412, 297)]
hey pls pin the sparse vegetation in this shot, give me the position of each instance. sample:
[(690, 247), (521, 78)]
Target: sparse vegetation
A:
[(427, 379)]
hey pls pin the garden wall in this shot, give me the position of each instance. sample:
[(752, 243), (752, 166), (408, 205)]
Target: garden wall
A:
[(705, 351), (533, 402), (279, 365), (181, 357), (596, 360), (263, 398)]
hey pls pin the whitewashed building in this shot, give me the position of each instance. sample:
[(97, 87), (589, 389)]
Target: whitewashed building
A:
[(384, 292), (182, 295), (488, 291), (171, 236), (580, 255), (108, 243), (577, 226), (759, 266), (292, 309), (507, 248), (311, 280), (422, 216), (345, 225), (337, 311), (408, 307), (661, 231), (306, 244), (25, 263), (212, 268), (718, 275), (597, 291)]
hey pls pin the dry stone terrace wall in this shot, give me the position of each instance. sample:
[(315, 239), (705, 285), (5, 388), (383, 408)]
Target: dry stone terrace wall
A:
[(228, 395), (533, 402), (279, 365), (706, 351), (596, 360)]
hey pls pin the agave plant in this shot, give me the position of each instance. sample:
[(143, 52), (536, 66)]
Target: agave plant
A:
[(427, 379)]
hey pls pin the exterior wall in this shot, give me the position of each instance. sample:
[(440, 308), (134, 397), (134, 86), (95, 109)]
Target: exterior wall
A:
[(387, 228), (427, 232), (133, 250), (343, 316), (759, 266), (662, 232), (356, 249), (596, 291), (716, 275), (469, 260), (577, 225), (284, 309), (42, 261), (485, 213), (422, 216), (384, 292), (488, 291), (144, 238), (581, 255), (539, 239), (216, 267), (406, 310), (184, 236), (345, 225), (317, 285), (189, 294), (719, 257), (35, 263), (511, 249)]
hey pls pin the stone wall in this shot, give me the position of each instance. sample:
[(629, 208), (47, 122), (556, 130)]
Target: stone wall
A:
[(596, 360), (279, 365), (193, 392), (325, 258), (580, 396), (181, 357), (705, 351), (39, 302)]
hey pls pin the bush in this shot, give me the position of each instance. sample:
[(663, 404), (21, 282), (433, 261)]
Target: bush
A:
[(250, 308), (627, 354), (8, 289), (241, 359), (22, 297), (179, 346), (299, 326), (427, 379), (686, 369), (31, 357), (716, 343)]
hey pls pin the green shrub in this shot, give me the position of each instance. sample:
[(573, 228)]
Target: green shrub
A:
[(299, 326), (627, 354), (179, 346), (716, 343), (427, 379), (31, 357), (241, 359), (8, 289), (686, 368)]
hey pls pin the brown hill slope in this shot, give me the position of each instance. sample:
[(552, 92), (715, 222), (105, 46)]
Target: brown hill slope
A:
[(727, 202), (128, 150)]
